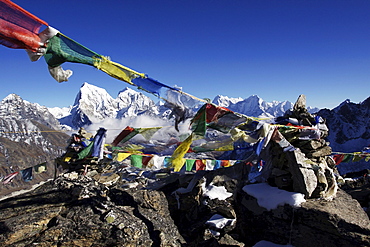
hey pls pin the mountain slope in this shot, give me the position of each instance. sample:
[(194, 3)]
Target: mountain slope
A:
[(349, 125), (29, 136)]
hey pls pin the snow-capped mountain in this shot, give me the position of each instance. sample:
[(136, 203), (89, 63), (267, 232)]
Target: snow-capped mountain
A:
[(94, 104), (28, 133), (349, 130), (23, 122), (255, 106), (14, 107), (349, 125)]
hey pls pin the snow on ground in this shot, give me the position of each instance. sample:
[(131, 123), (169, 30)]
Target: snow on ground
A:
[(271, 197), (212, 192)]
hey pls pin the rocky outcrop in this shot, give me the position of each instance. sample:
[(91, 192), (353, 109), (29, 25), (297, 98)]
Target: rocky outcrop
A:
[(78, 211), (107, 209), (315, 223)]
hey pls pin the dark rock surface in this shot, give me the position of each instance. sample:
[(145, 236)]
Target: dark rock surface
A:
[(76, 210)]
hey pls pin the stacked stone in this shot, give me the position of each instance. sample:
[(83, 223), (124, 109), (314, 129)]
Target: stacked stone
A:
[(306, 166)]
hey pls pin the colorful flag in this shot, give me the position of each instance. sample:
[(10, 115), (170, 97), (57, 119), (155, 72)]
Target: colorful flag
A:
[(150, 85), (147, 133), (40, 168), (27, 174), (122, 156), (8, 178), (86, 151), (200, 165), (125, 135), (198, 123), (189, 164), (98, 143), (177, 158), (18, 28), (116, 70), (137, 160)]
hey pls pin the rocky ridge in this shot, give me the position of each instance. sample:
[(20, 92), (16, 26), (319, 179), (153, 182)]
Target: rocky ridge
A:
[(104, 209)]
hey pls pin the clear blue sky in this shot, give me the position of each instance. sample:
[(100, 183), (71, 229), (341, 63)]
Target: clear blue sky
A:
[(277, 49)]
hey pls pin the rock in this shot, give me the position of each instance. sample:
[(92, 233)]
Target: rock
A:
[(81, 212), (340, 222)]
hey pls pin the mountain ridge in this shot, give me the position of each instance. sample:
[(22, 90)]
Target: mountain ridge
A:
[(94, 104)]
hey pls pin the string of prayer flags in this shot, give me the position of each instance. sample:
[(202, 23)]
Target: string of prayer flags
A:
[(63, 49), (350, 157), (19, 29)]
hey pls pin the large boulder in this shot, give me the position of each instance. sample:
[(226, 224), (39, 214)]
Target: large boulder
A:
[(77, 211)]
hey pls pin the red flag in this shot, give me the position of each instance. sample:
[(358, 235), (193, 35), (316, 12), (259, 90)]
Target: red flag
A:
[(18, 28)]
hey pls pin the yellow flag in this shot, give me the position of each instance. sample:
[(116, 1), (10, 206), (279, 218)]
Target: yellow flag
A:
[(177, 158), (147, 133), (116, 70), (122, 156)]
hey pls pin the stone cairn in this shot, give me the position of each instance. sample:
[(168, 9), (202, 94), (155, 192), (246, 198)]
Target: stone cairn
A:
[(298, 156)]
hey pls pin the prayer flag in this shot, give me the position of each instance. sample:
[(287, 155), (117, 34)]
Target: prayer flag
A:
[(198, 123), (40, 168), (189, 164), (177, 156), (62, 49), (86, 151), (150, 85), (217, 164), (210, 164), (357, 156), (116, 70), (225, 163), (147, 133), (146, 160), (124, 133), (122, 156), (347, 158), (338, 158), (18, 28), (8, 178), (98, 143), (27, 174), (200, 165), (137, 160)]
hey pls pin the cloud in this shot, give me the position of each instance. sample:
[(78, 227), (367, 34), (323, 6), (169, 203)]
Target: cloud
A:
[(115, 126)]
